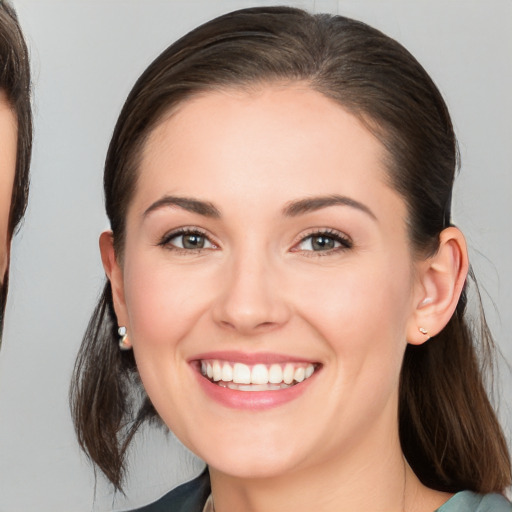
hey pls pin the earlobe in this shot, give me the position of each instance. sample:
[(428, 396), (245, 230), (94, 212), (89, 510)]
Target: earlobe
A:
[(440, 283), (114, 274)]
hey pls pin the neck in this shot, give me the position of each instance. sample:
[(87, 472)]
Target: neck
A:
[(306, 494)]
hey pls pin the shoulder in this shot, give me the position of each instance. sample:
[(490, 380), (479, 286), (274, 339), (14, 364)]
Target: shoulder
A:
[(467, 501), (189, 497)]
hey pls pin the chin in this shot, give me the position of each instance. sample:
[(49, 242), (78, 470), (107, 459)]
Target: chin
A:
[(256, 467), (247, 456)]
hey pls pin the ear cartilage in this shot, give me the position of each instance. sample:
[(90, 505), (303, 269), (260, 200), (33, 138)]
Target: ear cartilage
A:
[(423, 330), (425, 301)]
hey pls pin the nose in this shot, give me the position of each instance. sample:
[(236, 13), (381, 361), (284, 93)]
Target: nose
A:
[(251, 298)]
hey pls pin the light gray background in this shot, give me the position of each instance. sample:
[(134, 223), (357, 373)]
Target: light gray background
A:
[(86, 54)]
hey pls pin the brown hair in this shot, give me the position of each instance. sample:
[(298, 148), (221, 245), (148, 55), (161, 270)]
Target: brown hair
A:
[(449, 432), (15, 82)]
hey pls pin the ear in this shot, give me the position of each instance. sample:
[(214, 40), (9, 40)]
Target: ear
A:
[(4, 262), (440, 282), (114, 274)]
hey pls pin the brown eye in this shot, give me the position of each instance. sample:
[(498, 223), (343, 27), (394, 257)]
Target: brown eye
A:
[(189, 240), (192, 241), (324, 242)]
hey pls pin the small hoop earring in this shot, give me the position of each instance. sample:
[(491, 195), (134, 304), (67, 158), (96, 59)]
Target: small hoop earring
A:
[(124, 344), (423, 330)]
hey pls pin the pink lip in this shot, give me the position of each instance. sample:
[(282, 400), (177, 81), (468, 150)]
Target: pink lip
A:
[(249, 400), (253, 400)]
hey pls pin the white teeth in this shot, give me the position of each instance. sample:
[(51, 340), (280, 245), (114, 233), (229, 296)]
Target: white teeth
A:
[(217, 371), (227, 372), (259, 377), (300, 373), (288, 373), (241, 374), (255, 387), (259, 374), (275, 374)]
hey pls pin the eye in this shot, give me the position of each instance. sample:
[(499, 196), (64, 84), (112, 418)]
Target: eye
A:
[(187, 240), (324, 241)]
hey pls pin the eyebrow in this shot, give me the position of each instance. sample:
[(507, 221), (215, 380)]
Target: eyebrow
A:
[(311, 204), (204, 208), (292, 209)]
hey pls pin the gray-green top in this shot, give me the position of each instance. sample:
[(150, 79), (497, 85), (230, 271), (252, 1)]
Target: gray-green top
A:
[(467, 501)]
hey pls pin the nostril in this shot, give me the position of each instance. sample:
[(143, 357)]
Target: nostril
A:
[(262, 326), (227, 324), (266, 325)]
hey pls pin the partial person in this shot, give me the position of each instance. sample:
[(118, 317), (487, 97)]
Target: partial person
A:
[(285, 281), (15, 137)]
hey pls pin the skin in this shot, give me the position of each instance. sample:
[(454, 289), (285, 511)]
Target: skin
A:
[(8, 141), (258, 287)]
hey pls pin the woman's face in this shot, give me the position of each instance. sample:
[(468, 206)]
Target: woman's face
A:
[(264, 243), (8, 140)]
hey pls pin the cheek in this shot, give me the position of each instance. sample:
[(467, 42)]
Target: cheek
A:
[(360, 316), (163, 301), (361, 313)]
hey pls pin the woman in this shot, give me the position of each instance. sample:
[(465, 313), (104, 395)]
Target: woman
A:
[(15, 137), (285, 280)]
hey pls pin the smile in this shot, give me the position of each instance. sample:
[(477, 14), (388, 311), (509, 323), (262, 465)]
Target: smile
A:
[(257, 377)]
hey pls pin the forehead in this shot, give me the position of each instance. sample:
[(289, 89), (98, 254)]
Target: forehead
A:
[(296, 110), (275, 141)]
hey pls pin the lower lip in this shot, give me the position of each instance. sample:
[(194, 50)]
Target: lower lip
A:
[(252, 400)]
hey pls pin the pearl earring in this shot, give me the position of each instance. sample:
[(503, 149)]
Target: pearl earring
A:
[(124, 344)]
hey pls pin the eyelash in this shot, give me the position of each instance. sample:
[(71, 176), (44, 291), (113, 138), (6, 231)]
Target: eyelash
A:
[(338, 237)]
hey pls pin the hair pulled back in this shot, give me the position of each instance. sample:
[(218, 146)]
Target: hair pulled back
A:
[(448, 430), (15, 84)]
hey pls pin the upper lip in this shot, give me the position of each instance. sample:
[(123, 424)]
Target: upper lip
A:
[(251, 358)]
